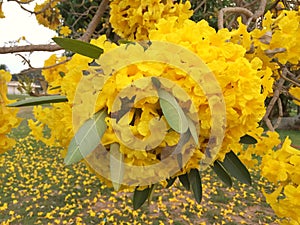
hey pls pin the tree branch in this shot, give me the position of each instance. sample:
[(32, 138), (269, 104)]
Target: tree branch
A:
[(274, 99), (30, 48), (261, 9), (239, 10), (95, 21)]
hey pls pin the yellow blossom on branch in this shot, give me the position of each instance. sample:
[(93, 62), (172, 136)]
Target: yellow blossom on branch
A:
[(48, 14), (133, 20), (65, 31)]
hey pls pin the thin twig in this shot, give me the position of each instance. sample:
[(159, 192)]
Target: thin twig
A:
[(199, 6), (32, 68)]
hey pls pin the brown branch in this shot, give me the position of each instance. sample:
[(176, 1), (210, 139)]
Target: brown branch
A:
[(54, 47), (274, 99), (30, 48), (199, 6), (290, 80), (236, 10), (261, 9), (95, 21)]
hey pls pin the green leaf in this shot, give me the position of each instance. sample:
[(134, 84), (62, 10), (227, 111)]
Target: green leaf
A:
[(195, 180), (172, 111), (156, 82), (170, 181), (193, 131), (80, 47), (39, 100), (184, 138), (87, 138), (116, 166), (184, 179), (151, 192), (247, 139), (236, 168), (139, 197), (222, 173)]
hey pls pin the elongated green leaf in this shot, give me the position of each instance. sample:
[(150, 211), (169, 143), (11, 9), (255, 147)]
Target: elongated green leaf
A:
[(179, 160), (170, 181), (87, 138), (139, 197), (116, 166), (247, 139), (193, 131), (156, 83), (80, 47), (236, 168), (151, 192), (222, 173), (172, 111), (184, 179), (39, 100), (184, 138), (195, 180)]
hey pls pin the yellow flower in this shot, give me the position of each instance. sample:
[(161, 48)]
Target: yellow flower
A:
[(65, 31), (8, 116)]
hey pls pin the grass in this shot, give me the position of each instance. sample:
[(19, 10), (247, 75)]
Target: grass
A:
[(37, 188)]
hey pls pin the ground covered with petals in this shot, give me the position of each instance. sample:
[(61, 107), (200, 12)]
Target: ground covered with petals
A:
[(37, 188)]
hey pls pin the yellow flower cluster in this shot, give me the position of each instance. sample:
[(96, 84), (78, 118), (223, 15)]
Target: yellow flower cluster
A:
[(237, 77), (55, 73), (276, 39), (264, 142), (62, 79), (281, 167), (133, 19), (8, 118), (48, 14), (242, 92)]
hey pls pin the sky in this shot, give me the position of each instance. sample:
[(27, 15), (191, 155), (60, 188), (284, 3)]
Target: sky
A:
[(18, 23)]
